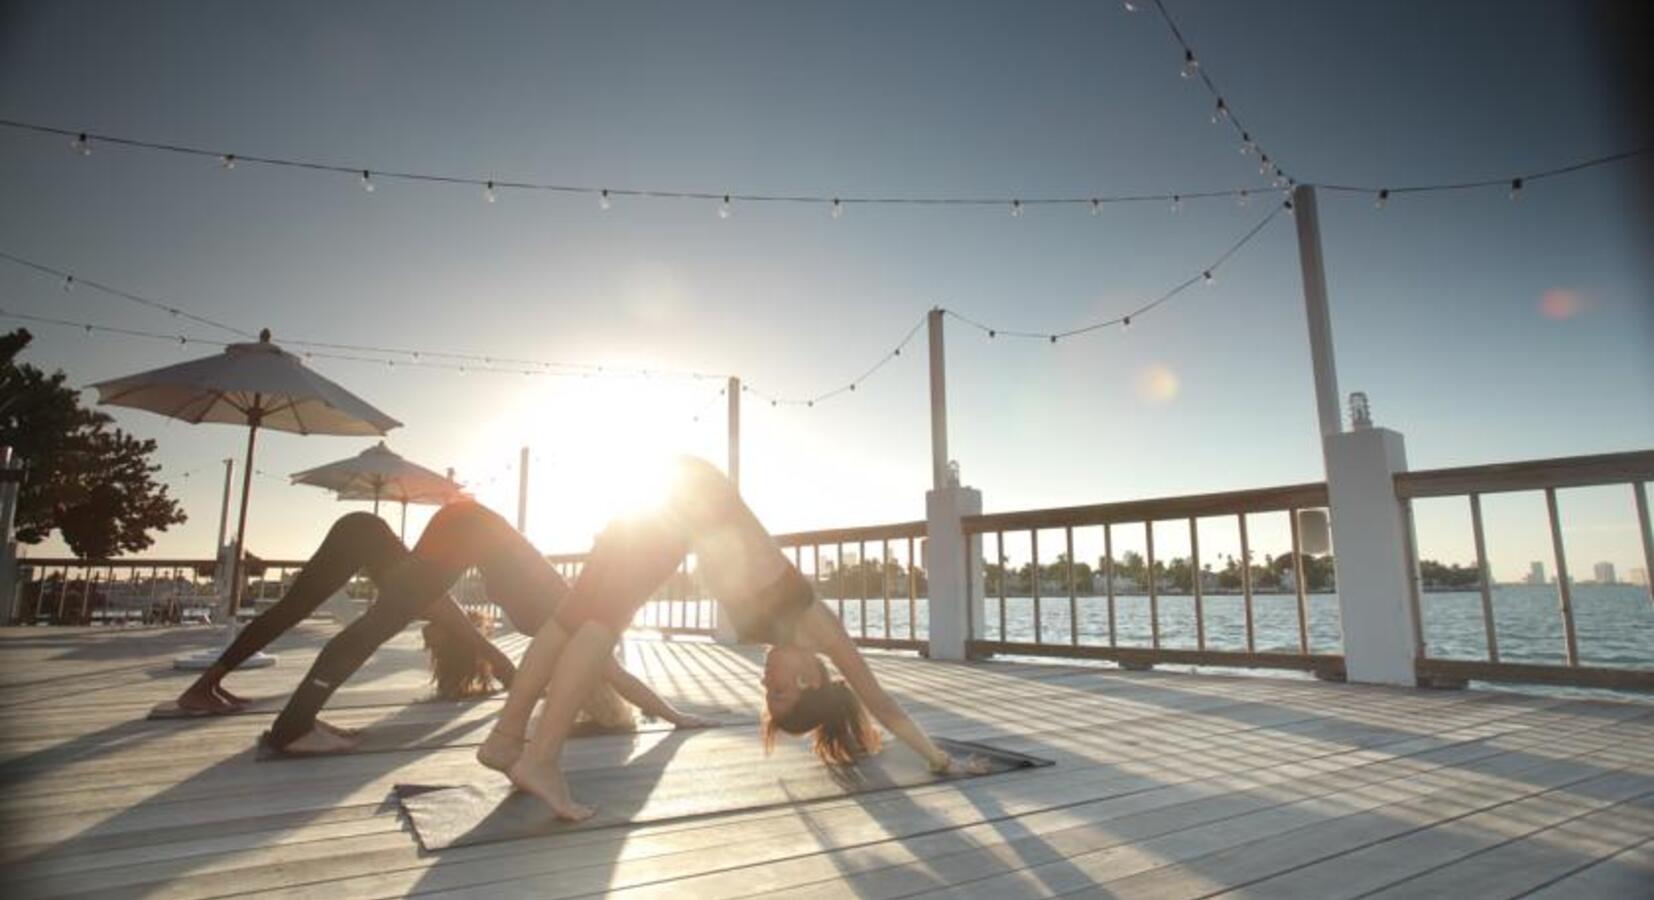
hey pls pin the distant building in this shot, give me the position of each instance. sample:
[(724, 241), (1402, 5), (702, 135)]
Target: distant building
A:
[(1605, 573), (1536, 573)]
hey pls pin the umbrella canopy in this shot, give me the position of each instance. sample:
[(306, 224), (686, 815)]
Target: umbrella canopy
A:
[(378, 474), (248, 384), (257, 385)]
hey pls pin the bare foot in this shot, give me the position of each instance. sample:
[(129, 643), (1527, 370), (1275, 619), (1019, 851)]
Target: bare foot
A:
[(499, 751), (202, 699), (547, 784), (340, 730), (319, 741), (223, 693)]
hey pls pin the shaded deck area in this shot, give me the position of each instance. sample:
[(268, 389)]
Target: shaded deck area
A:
[(1166, 785)]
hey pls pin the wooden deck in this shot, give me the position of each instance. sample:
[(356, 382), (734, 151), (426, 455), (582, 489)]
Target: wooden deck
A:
[(1166, 785)]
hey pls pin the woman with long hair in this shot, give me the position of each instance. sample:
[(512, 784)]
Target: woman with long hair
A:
[(412, 584), (768, 600)]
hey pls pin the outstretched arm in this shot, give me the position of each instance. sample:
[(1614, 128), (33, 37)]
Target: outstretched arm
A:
[(823, 632), (447, 614), (640, 695)]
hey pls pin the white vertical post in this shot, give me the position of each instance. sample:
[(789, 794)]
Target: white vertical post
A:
[(224, 505), (723, 631), (1315, 309), (1371, 530), (10, 485), (953, 565), (734, 392), (522, 492), (938, 404)]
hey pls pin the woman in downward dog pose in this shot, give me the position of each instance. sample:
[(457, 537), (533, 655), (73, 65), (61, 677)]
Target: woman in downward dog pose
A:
[(766, 597), (414, 584), (357, 542)]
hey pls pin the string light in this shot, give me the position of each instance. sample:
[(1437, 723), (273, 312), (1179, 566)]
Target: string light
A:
[(1016, 209), (81, 145), (1207, 277), (1130, 6), (488, 192), (603, 202), (367, 181), (68, 282), (1177, 203), (838, 208), (227, 161), (1096, 207), (1221, 112), (1243, 198), (1191, 66), (1247, 145), (1383, 198), (723, 208), (1516, 189)]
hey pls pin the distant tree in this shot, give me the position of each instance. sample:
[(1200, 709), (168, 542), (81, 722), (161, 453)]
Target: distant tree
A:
[(92, 483)]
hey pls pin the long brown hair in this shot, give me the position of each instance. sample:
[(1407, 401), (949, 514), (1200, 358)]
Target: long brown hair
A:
[(833, 716), (458, 668)]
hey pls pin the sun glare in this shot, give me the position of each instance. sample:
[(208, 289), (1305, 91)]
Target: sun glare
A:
[(599, 449)]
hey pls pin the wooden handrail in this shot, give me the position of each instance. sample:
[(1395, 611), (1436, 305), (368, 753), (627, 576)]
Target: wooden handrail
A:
[(1533, 475), (1271, 499)]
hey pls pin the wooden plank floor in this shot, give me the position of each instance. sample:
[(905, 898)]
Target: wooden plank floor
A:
[(1167, 785)]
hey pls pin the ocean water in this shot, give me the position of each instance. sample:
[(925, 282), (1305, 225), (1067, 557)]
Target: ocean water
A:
[(1614, 624)]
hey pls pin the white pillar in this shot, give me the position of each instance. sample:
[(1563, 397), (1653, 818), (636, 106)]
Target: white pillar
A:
[(1315, 309), (953, 571), (734, 391), (522, 492), (1371, 534), (938, 404), (224, 505)]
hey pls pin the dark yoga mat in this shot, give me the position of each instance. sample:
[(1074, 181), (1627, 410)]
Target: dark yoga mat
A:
[(721, 780), (343, 700), (409, 736)]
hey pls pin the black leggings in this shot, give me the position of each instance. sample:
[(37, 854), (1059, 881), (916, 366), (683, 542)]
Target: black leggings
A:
[(358, 541), (458, 537)]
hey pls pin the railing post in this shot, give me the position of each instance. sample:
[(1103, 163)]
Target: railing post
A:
[(953, 570), (1376, 572), (10, 483)]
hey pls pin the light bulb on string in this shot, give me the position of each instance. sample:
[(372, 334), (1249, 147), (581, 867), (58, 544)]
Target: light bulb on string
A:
[(1177, 203), (1516, 189), (603, 202), (723, 208), (1096, 207), (1221, 112), (488, 192), (1287, 205), (1383, 198), (1053, 339), (1130, 6), (1208, 277), (1263, 164), (367, 181), (837, 209), (1125, 323), (1016, 209), (68, 282), (1243, 197), (81, 145), (1190, 64), (1246, 143), (227, 161)]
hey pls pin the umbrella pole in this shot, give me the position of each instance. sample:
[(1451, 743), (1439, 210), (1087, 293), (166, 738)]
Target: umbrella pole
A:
[(239, 567), (404, 533)]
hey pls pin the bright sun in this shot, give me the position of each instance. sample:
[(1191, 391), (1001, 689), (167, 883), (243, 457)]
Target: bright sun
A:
[(599, 448)]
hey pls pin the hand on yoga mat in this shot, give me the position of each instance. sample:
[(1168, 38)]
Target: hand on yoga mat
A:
[(690, 720), (969, 765)]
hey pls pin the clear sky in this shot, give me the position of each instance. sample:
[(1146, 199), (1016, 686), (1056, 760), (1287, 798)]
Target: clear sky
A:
[(1438, 302)]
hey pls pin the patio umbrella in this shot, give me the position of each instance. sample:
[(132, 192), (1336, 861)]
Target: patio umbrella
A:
[(378, 474), (257, 385)]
